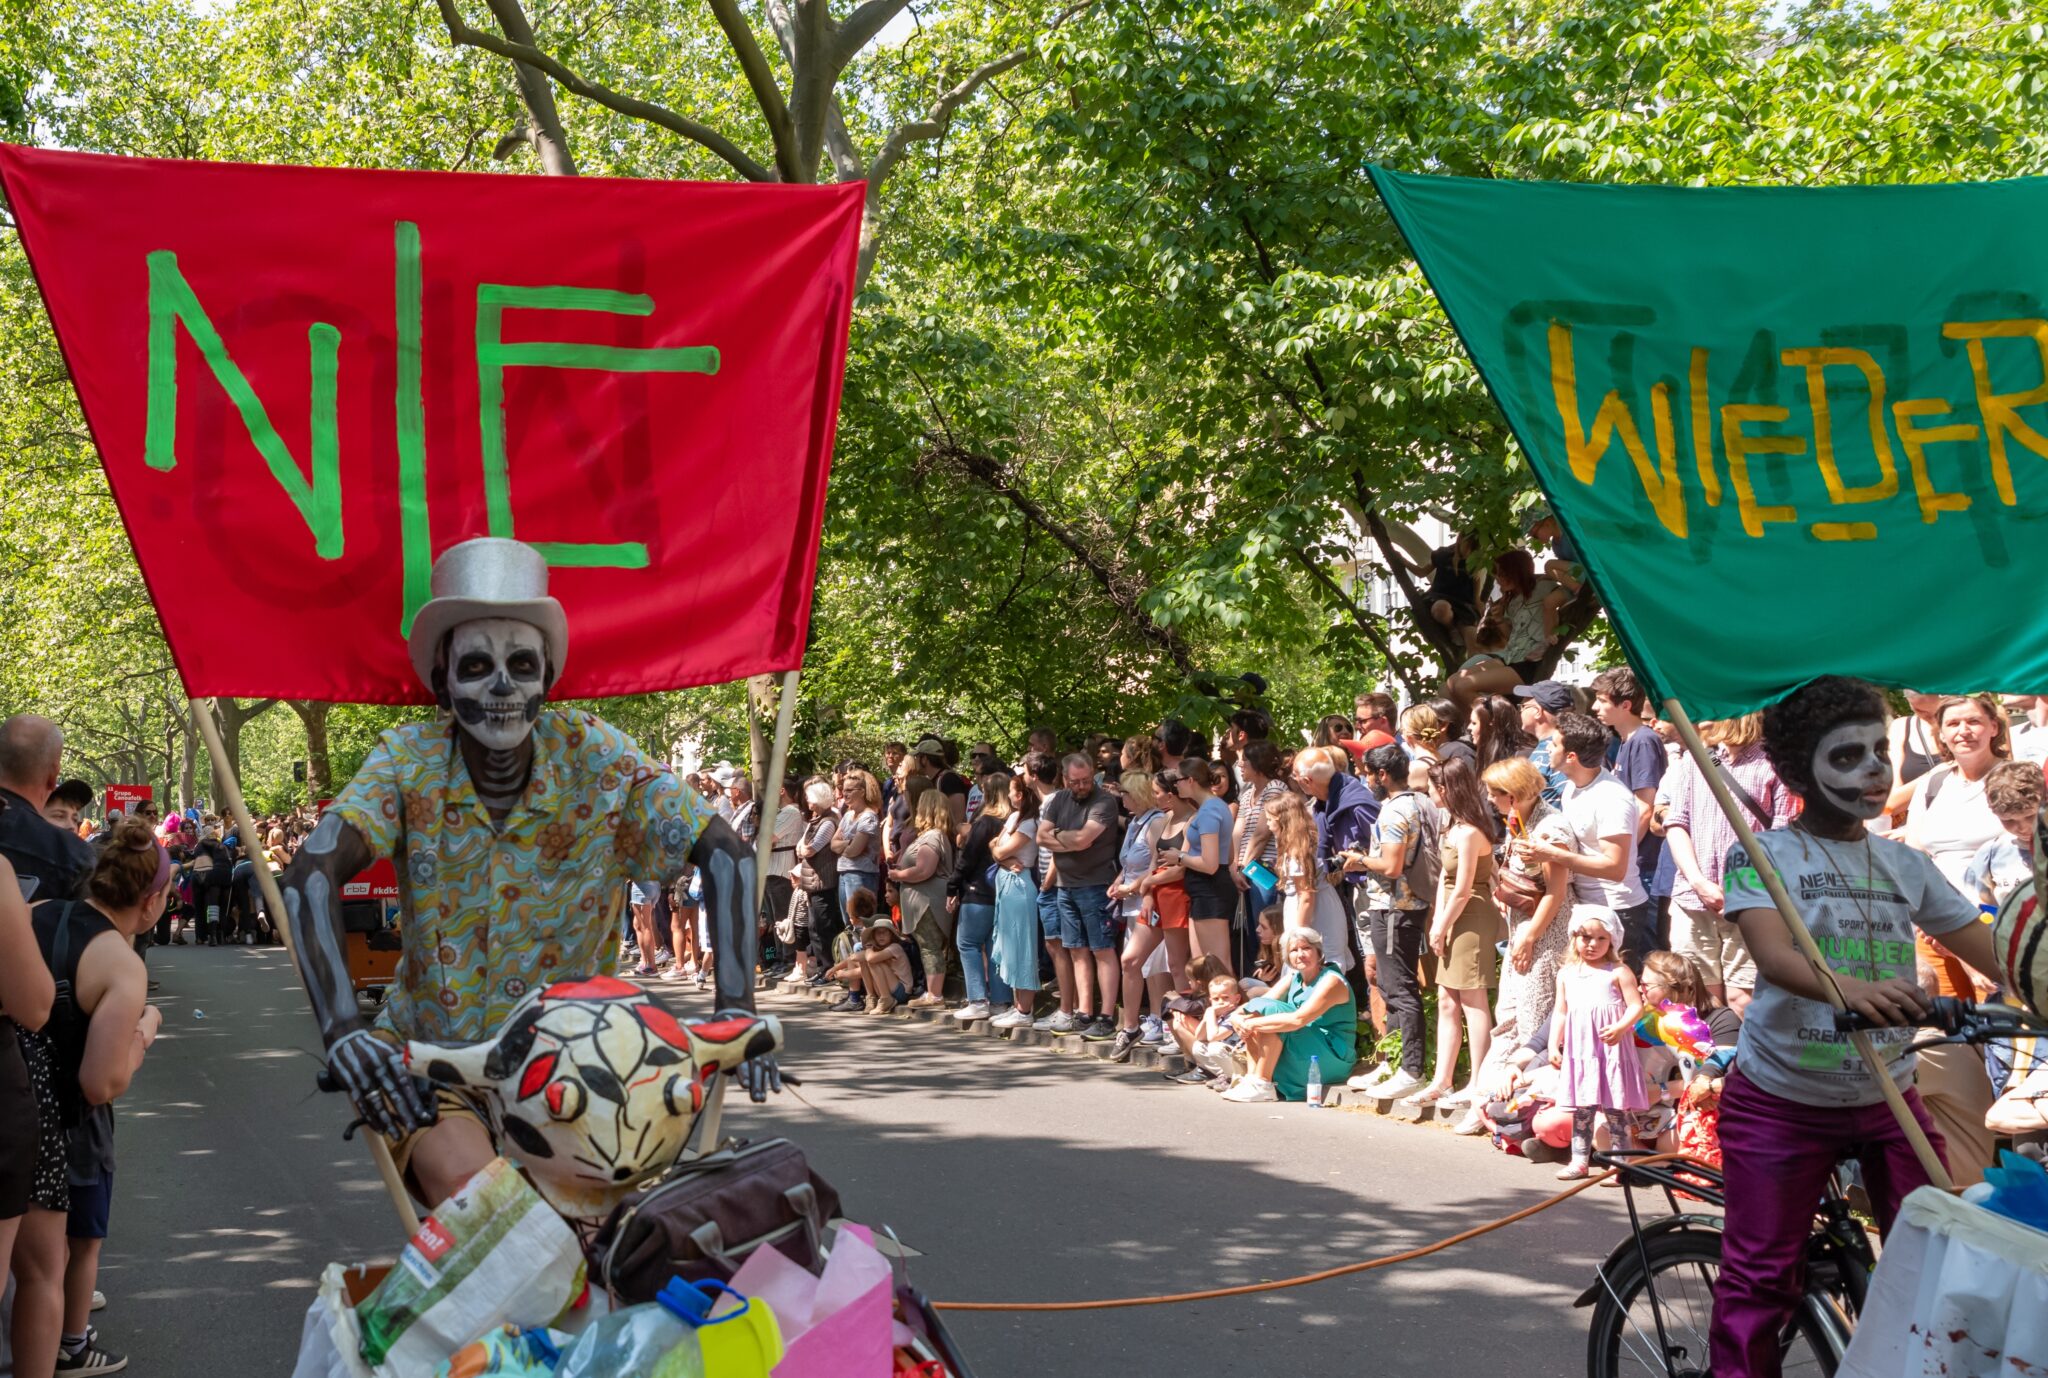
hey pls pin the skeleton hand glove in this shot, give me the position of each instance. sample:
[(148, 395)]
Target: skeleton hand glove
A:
[(374, 1075), (759, 1075)]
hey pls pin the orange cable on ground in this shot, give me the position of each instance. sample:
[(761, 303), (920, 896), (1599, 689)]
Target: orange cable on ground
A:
[(1325, 1275)]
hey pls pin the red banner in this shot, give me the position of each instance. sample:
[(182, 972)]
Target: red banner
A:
[(305, 383), (123, 798)]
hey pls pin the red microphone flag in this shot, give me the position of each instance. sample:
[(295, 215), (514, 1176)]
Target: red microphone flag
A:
[(305, 383)]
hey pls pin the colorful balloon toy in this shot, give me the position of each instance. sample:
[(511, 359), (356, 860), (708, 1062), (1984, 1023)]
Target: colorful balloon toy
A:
[(1677, 1027)]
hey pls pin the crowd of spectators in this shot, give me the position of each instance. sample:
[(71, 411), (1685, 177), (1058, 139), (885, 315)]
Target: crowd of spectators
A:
[(1272, 901)]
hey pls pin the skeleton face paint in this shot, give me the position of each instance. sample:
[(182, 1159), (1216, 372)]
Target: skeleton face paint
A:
[(497, 672), (1852, 769)]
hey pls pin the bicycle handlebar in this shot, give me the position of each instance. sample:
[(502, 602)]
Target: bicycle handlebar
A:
[(1964, 1021)]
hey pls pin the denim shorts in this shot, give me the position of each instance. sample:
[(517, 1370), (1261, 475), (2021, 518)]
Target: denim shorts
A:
[(1049, 915), (1084, 918)]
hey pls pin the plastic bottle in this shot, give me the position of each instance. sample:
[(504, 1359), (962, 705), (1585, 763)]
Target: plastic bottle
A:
[(1315, 1082)]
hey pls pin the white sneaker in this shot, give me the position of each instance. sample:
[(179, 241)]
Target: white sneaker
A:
[(1062, 1022), (1251, 1090), (1366, 1081), (1399, 1085), (1151, 1031), (1472, 1123), (971, 1011), (1011, 1019)]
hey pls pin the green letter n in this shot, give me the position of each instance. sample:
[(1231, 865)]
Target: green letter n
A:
[(171, 304)]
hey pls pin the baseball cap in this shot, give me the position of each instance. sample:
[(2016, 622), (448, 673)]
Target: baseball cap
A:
[(1552, 696), (725, 775), (929, 746)]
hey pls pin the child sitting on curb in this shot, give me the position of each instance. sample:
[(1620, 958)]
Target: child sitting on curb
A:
[(1210, 1045), (877, 975)]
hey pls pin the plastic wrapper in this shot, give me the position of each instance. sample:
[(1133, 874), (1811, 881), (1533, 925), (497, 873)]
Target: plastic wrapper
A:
[(507, 1352), (491, 1255)]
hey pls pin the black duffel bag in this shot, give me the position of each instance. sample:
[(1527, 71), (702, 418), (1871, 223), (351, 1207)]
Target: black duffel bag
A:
[(703, 1218)]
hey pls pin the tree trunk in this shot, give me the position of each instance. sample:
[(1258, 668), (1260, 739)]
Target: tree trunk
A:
[(233, 716), (188, 784), (319, 769)]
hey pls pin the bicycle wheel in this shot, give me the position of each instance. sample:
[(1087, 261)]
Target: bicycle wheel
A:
[(1684, 1265)]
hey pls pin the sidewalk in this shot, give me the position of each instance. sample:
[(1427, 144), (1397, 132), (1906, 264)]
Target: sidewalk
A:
[(1165, 1061)]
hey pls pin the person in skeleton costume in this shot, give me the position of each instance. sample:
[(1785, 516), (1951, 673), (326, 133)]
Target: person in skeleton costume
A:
[(512, 824), (1800, 1094)]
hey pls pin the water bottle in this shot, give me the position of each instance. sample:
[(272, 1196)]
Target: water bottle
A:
[(1315, 1082)]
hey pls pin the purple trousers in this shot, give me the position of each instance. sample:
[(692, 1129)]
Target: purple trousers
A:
[(1776, 1155)]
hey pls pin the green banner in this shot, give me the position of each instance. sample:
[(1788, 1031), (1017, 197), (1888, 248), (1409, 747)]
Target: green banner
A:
[(1792, 431)]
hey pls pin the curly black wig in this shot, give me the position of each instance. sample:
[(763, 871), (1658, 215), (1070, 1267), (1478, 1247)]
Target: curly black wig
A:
[(1794, 725)]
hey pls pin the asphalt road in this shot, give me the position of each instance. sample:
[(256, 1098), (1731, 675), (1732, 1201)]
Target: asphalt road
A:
[(1018, 1174)]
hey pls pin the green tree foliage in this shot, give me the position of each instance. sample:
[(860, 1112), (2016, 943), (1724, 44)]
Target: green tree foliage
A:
[(1140, 367)]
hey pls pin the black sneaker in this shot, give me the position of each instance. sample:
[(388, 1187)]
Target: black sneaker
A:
[(1126, 1043), (89, 1360), (848, 1003), (1099, 1029)]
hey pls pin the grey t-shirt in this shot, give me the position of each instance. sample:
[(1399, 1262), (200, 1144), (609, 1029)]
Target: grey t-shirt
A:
[(869, 825), (1862, 918), (1096, 865)]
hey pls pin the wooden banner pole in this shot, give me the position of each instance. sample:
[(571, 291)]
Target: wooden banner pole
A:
[(1930, 1161), (273, 901), (770, 802)]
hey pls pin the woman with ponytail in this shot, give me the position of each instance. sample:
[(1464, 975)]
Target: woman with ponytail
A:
[(81, 1062)]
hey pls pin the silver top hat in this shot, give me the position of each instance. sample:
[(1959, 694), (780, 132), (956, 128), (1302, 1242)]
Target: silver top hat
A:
[(487, 577)]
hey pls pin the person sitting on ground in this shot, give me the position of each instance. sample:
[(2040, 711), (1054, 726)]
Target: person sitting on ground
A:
[(1267, 964), (852, 971), (888, 975), (1211, 1045), (1311, 1013), (2013, 790)]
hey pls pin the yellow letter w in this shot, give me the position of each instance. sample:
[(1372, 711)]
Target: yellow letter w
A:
[(1662, 482)]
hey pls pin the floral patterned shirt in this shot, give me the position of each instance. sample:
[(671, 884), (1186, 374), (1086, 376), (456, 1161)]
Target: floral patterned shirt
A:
[(488, 913)]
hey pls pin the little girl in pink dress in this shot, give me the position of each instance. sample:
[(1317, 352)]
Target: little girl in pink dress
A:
[(1592, 1035)]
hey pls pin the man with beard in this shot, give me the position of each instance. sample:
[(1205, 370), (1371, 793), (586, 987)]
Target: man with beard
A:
[(512, 824)]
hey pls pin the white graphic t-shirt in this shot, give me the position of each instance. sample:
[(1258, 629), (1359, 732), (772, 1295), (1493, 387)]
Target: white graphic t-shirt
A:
[(1861, 900)]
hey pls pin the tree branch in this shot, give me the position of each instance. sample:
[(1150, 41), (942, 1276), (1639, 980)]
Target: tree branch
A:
[(600, 94), (1364, 622), (767, 94), (987, 471), (860, 28), (548, 137)]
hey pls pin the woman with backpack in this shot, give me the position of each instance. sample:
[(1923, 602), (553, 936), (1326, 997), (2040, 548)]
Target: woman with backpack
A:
[(89, 1051)]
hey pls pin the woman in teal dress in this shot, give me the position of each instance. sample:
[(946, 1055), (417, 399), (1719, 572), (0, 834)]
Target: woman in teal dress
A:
[(1311, 1013)]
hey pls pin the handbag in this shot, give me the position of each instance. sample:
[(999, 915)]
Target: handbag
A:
[(1519, 891), (705, 1216), (787, 925)]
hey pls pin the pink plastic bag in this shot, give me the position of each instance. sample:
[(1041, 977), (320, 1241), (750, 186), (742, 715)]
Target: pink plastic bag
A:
[(840, 1325)]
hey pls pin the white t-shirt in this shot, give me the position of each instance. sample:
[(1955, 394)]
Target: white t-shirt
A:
[(1605, 808), (1954, 827), (2030, 743), (1863, 922), (789, 827), (1028, 857)]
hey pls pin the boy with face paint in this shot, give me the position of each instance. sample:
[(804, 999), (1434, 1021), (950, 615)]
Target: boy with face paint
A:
[(512, 825), (1799, 1095)]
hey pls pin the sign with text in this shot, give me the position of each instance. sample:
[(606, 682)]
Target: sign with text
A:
[(378, 881), (123, 798), (305, 383), (1792, 431)]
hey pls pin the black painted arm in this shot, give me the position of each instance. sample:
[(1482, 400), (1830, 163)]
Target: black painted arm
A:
[(371, 1070), (727, 867)]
